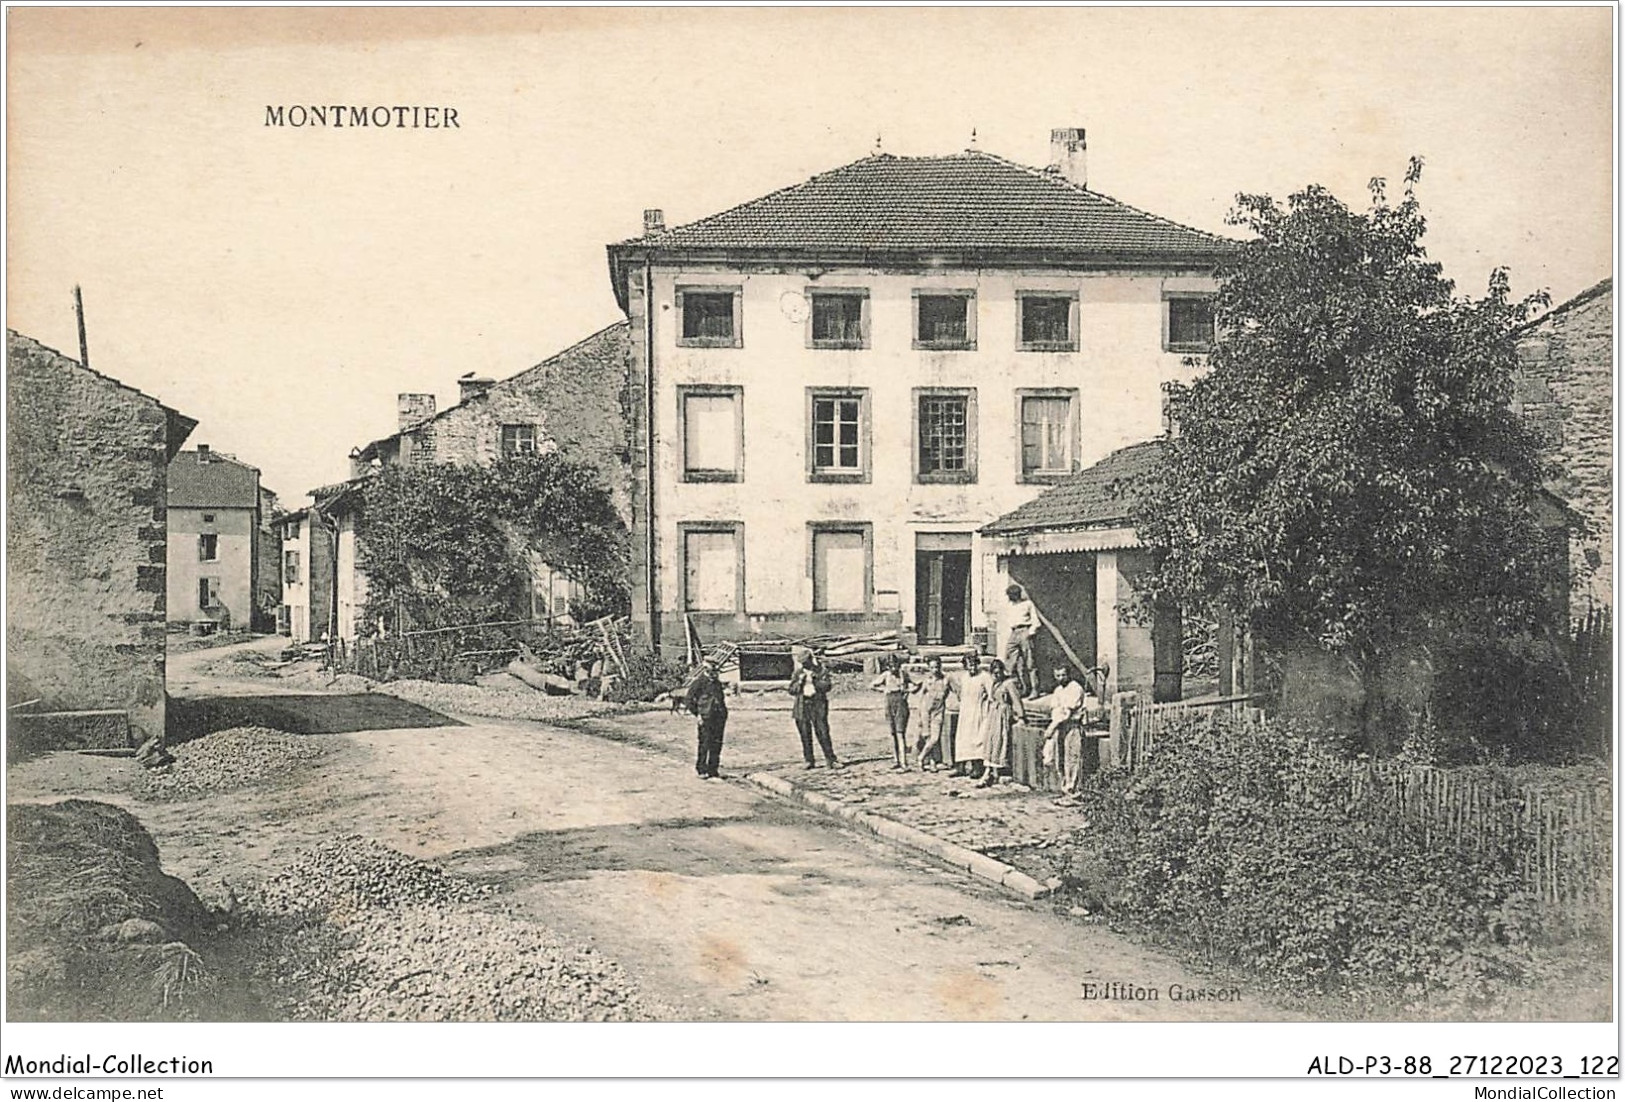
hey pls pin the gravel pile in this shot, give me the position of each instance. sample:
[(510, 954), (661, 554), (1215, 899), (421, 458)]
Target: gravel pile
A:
[(424, 964), (227, 760), (374, 935), (355, 873), (478, 700)]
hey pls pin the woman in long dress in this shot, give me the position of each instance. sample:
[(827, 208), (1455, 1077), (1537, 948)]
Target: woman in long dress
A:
[(1007, 709), (975, 714)]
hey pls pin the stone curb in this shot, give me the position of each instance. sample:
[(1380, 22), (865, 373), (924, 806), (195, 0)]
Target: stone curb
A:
[(979, 865)]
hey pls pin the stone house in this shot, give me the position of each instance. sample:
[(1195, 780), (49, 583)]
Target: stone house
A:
[(216, 529), (1565, 390), (836, 386), (572, 402), (86, 551)]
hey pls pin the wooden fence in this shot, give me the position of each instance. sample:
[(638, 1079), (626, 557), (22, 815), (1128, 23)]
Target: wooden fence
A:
[(1560, 834), (1136, 722)]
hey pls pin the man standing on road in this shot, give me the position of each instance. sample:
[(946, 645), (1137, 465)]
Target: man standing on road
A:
[(809, 707), (706, 701), (1021, 624)]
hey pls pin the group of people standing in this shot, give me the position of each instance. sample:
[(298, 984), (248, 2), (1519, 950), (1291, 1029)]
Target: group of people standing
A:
[(809, 689), (990, 703), (966, 722)]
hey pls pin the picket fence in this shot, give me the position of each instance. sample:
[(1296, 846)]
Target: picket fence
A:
[(1558, 833)]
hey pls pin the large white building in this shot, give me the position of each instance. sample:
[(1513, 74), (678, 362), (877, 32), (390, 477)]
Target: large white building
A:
[(836, 385)]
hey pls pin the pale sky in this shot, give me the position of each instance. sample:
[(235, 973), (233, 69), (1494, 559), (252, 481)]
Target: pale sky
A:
[(281, 286)]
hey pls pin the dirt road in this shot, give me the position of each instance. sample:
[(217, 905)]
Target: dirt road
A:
[(723, 901)]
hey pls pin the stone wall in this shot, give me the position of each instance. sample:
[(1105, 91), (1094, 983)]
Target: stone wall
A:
[(1565, 393), (85, 539), (575, 400)]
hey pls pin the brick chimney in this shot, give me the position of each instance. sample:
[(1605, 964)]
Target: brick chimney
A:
[(203, 455), (472, 386), (654, 221), (413, 409), (1068, 154)]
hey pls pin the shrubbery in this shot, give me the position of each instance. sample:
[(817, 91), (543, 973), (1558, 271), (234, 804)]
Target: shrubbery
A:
[(647, 676), (1249, 845)]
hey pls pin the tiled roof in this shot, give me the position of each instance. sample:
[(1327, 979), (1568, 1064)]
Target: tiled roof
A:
[(966, 202), (222, 482), (1096, 496)]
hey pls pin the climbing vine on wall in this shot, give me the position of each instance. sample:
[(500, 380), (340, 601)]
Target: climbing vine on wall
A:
[(445, 544)]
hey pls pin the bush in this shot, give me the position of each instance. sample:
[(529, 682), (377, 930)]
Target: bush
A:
[(647, 676), (1249, 845)]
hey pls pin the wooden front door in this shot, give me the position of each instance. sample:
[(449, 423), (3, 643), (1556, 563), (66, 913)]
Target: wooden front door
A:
[(942, 596)]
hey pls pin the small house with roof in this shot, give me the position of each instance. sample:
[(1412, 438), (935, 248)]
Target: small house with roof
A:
[(1073, 549), (835, 387), (215, 535)]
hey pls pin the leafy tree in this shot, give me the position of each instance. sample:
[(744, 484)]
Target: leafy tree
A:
[(445, 544), (1348, 476)]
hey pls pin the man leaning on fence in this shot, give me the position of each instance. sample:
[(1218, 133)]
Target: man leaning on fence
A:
[(707, 703)]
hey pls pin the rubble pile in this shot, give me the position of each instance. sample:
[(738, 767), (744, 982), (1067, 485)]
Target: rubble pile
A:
[(227, 760), (379, 936)]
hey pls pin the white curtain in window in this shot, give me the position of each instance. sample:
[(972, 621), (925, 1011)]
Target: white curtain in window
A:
[(1045, 441), (711, 433)]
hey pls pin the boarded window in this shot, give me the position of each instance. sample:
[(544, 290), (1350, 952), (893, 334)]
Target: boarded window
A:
[(943, 319), (208, 593), (836, 431), (944, 434), (708, 316), (710, 436), (1046, 435), (837, 320), (518, 440), (1046, 322), (840, 571), (208, 547), (1190, 324), (711, 571)]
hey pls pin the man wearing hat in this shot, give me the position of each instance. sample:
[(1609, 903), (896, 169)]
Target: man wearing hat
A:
[(707, 703)]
